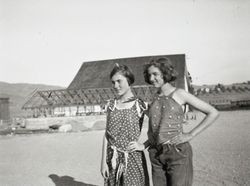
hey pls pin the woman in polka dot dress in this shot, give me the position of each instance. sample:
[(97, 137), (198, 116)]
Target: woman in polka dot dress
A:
[(169, 149), (121, 164)]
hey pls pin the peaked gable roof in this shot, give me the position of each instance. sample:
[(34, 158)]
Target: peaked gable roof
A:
[(95, 74), (92, 86)]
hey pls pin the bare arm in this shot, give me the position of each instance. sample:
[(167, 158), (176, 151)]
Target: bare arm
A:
[(104, 166), (104, 149), (136, 145), (210, 112)]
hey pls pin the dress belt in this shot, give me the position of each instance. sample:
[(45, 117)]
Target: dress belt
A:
[(115, 156)]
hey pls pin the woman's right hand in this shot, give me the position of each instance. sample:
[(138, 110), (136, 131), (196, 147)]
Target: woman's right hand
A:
[(104, 170), (135, 146)]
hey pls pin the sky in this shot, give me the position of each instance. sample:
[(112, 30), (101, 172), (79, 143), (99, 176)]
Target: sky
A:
[(46, 41)]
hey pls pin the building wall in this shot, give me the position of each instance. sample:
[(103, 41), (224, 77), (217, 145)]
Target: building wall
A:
[(78, 123), (4, 109)]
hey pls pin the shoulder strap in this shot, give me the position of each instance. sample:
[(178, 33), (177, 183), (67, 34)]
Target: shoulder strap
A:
[(111, 104), (172, 93), (141, 106)]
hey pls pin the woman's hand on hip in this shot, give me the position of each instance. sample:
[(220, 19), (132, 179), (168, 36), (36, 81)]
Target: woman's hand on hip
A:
[(135, 146)]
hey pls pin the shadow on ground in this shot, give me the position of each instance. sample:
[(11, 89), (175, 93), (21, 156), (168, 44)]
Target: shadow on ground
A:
[(66, 181)]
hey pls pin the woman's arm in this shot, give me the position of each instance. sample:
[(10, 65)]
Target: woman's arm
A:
[(210, 112), (104, 166)]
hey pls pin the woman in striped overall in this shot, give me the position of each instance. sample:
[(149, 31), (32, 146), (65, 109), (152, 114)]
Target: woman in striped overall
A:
[(169, 149)]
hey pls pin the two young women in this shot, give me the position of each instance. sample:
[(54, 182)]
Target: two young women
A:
[(123, 160)]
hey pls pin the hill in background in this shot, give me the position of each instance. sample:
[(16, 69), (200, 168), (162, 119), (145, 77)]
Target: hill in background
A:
[(19, 93)]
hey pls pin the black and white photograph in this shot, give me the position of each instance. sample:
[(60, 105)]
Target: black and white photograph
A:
[(124, 93)]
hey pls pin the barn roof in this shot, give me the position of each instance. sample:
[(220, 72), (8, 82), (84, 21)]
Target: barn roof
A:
[(92, 86), (95, 74)]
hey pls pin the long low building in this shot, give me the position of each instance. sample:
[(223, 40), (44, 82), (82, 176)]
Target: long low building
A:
[(230, 98)]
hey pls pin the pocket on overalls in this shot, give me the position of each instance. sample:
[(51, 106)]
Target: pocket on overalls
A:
[(154, 156), (181, 149)]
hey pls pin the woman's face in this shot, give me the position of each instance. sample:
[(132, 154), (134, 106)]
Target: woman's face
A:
[(120, 84), (155, 76)]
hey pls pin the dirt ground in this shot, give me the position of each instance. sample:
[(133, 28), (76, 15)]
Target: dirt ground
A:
[(221, 156)]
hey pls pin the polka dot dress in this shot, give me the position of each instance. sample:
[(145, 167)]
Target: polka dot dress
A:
[(124, 126)]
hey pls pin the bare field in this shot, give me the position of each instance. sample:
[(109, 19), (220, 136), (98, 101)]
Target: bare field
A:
[(221, 156)]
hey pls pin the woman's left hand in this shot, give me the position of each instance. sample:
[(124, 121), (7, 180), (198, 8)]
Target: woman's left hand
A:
[(135, 146), (181, 138)]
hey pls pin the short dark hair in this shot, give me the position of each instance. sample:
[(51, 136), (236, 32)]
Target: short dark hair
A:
[(165, 65), (125, 71)]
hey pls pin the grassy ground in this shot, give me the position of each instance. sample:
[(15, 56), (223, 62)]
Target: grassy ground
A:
[(221, 156)]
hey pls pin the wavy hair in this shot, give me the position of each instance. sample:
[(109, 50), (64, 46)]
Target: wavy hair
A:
[(165, 66)]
